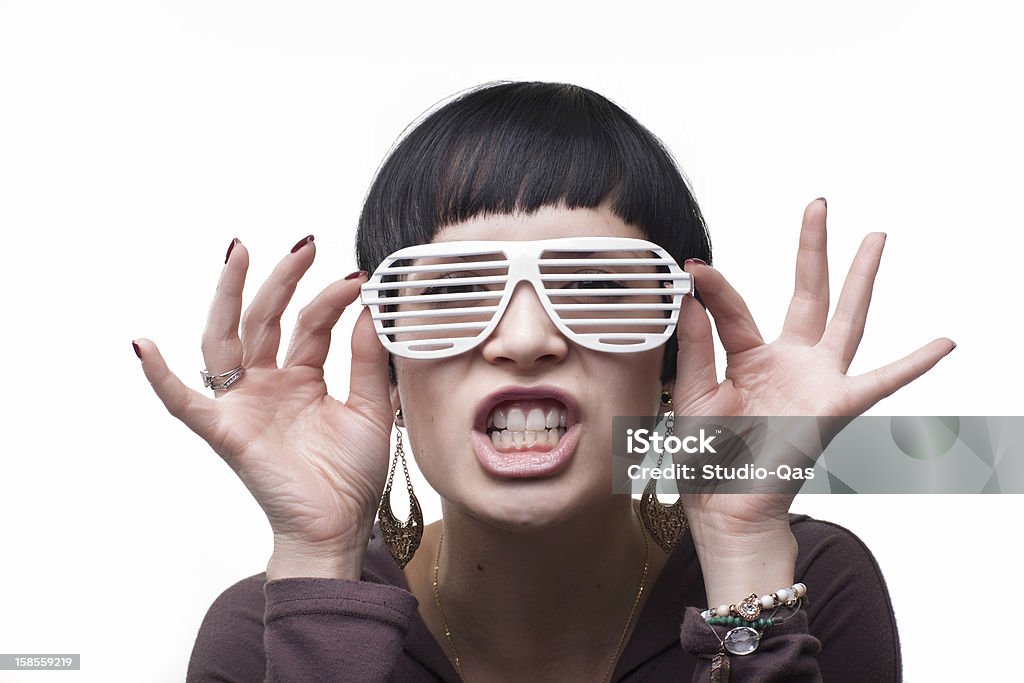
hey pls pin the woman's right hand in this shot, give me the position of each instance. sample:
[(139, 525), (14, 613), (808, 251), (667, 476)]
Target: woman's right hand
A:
[(315, 465)]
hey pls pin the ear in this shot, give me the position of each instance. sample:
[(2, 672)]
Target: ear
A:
[(396, 403)]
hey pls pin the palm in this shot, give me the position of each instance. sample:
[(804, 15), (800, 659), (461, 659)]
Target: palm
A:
[(315, 465), (780, 379), (803, 372), (282, 433)]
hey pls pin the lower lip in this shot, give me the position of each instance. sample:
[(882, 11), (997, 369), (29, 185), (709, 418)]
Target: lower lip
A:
[(521, 464)]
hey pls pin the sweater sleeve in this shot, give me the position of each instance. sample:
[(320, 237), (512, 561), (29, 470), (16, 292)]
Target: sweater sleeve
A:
[(302, 629), (786, 653), (847, 631)]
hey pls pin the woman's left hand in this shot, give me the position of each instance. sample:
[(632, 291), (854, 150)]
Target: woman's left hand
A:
[(803, 372)]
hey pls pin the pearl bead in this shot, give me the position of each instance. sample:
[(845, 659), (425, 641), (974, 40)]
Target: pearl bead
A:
[(723, 610), (801, 590), (767, 602), (785, 595)]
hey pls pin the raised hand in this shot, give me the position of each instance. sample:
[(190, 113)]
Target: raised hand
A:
[(315, 465), (803, 372)]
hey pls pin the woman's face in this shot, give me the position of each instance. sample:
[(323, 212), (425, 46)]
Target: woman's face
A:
[(446, 402)]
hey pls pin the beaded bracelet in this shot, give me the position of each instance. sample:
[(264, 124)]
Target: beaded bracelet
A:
[(750, 607), (745, 634), (763, 622)]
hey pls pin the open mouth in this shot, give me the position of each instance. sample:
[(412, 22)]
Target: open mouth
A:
[(526, 431), (527, 424)]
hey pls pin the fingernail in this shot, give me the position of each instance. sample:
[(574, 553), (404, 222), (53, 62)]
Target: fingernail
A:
[(138, 351), (301, 243), (822, 199), (695, 260), (954, 345), (230, 247), (353, 276)]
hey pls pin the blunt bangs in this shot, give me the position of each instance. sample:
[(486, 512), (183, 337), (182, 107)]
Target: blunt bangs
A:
[(518, 147)]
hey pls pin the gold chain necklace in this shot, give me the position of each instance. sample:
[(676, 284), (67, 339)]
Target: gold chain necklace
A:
[(622, 636)]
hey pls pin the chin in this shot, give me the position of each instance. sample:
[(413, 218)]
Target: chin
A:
[(530, 506)]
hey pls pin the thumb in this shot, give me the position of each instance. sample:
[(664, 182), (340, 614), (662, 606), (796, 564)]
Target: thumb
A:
[(369, 390), (188, 405)]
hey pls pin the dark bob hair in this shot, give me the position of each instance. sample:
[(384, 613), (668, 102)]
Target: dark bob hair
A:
[(517, 147)]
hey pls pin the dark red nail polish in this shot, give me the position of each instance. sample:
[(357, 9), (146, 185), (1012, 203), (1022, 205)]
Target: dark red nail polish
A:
[(353, 276), (230, 247), (138, 351), (301, 243)]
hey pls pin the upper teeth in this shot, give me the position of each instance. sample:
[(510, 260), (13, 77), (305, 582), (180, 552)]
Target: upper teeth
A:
[(517, 419)]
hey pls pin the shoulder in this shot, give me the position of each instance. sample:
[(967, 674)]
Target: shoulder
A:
[(832, 551), (231, 635), (232, 632), (848, 605), (244, 597)]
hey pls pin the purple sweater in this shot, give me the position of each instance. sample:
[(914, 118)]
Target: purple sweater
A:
[(319, 630)]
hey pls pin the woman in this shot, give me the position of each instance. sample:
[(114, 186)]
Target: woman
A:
[(534, 572)]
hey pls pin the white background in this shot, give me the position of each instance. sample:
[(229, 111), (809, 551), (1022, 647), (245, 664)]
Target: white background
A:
[(137, 138)]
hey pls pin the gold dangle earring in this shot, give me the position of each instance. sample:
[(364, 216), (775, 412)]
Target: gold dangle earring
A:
[(402, 538), (665, 523)]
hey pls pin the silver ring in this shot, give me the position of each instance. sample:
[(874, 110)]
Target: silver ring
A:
[(222, 381)]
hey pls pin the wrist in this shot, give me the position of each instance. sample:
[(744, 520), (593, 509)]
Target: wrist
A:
[(737, 562), (293, 559)]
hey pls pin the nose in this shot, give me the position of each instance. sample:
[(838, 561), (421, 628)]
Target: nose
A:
[(525, 335)]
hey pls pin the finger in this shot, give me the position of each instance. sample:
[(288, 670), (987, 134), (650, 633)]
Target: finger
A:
[(195, 410), (222, 349), (736, 327), (311, 339), (871, 387), (696, 375), (261, 324), (808, 310), (846, 328), (368, 394)]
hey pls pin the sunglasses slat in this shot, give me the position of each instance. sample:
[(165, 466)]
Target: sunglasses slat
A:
[(612, 292), (615, 307), (613, 276), (431, 267), (436, 312), (614, 335), (423, 298), (618, 321), (440, 327), (415, 284), (544, 262)]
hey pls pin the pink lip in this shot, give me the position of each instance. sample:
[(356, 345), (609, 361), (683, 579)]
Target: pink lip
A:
[(525, 463)]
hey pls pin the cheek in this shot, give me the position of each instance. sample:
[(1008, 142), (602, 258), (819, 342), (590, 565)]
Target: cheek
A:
[(428, 408), (632, 379)]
